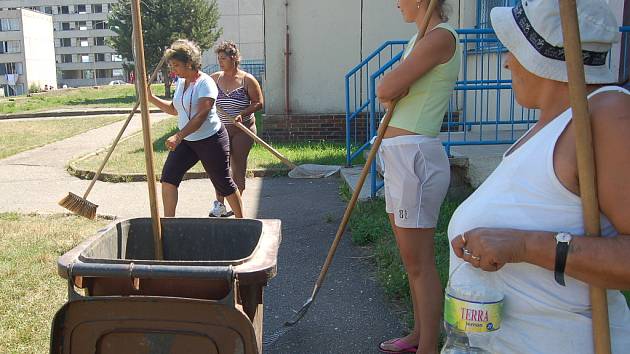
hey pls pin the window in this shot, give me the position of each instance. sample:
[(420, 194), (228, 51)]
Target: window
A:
[(70, 74), (99, 40), (116, 57), (87, 74), (484, 7), (9, 24), (10, 68), (65, 26), (117, 73), (48, 10), (65, 42), (63, 10), (81, 25), (10, 47), (99, 57), (100, 25), (66, 58), (83, 42), (490, 41), (81, 9), (85, 58), (103, 73), (97, 8)]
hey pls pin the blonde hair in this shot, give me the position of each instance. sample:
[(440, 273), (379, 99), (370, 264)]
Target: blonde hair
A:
[(185, 51), (230, 49)]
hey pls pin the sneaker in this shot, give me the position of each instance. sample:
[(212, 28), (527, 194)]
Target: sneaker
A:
[(219, 210)]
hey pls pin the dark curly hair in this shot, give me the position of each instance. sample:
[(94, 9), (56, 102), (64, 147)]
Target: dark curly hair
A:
[(230, 49)]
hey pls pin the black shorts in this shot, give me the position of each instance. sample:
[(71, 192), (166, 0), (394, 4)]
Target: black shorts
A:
[(214, 153)]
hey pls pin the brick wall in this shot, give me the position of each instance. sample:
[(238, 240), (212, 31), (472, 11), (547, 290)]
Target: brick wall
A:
[(328, 127)]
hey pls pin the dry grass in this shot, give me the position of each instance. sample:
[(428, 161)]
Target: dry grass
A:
[(123, 96), (30, 289), (16, 137), (128, 157)]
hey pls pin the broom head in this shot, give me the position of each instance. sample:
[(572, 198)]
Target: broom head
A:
[(79, 206)]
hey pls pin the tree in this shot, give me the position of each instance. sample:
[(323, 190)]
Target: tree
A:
[(162, 23)]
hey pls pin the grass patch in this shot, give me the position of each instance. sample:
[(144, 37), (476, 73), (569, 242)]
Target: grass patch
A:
[(30, 289), (369, 225), (128, 157), (20, 136), (103, 96)]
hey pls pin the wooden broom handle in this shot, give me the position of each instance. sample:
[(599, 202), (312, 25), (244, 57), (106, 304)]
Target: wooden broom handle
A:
[(141, 86), (366, 168), (258, 139), (121, 132), (585, 160)]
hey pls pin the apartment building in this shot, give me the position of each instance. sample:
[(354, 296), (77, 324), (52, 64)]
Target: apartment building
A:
[(80, 39), (27, 54)]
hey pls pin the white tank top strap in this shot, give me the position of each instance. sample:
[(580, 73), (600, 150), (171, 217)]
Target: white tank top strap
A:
[(568, 114)]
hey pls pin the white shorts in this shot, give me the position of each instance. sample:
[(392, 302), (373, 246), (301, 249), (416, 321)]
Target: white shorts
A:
[(417, 176)]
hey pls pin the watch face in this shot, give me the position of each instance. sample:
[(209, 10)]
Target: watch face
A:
[(563, 237)]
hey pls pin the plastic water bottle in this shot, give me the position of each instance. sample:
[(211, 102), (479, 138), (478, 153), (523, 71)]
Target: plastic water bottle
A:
[(473, 309)]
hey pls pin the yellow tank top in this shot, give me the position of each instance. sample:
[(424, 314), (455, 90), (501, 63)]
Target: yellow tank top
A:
[(422, 110)]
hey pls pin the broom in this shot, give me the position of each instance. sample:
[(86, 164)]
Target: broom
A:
[(80, 205)]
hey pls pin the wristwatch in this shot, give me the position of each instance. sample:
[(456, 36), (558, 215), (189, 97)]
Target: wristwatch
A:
[(562, 251)]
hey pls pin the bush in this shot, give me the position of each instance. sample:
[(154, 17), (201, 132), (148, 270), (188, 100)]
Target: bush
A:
[(34, 88)]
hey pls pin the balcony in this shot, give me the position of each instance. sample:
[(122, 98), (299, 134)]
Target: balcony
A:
[(90, 65), (75, 32)]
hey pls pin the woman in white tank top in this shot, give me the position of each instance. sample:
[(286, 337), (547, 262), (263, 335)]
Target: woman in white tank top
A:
[(517, 222)]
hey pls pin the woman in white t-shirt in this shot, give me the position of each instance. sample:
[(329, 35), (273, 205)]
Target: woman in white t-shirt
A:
[(201, 136)]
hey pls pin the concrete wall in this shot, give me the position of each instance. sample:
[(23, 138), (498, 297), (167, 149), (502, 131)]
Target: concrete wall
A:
[(327, 39), (242, 22), (39, 49)]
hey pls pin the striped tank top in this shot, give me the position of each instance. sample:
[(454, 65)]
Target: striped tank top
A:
[(233, 103)]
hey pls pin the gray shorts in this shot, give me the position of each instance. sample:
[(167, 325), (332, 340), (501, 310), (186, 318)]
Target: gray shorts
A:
[(417, 176)]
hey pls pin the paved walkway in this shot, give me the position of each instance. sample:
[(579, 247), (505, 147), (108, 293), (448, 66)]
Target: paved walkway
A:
[(350, 314)]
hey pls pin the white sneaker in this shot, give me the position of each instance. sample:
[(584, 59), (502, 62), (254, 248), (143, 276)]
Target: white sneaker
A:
[(218, 209)]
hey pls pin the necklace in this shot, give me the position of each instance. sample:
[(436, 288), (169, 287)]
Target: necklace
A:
[(192, 92)]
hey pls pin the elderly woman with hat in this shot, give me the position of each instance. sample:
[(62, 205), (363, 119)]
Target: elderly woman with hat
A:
[(524, 223)]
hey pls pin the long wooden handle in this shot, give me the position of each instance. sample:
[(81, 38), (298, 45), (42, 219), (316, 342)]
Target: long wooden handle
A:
[(141, 86), (366, 169), (121, 132), (585, 160), (258, 139)]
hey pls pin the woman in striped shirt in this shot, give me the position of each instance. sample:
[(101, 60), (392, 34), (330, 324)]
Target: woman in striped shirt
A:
[(239, 96)]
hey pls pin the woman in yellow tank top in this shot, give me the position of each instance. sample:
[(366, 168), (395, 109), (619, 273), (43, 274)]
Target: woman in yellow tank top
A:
[(417, 171)]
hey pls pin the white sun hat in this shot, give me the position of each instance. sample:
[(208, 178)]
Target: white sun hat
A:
[(532, 32)]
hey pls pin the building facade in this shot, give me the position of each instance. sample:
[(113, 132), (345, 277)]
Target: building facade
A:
[(311, 45), (242, 22), (27, 55), (81, 31)]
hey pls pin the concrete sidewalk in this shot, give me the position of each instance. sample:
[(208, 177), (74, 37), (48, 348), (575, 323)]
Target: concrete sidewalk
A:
[(69, 112), (350, 315)]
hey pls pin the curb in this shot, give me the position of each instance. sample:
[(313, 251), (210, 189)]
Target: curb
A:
[(141, 177), (49, 114)]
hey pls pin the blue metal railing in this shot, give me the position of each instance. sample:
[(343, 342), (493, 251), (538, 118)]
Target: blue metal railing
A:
[(255, 67), (482, 111), (360, 109), (625, 54)]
